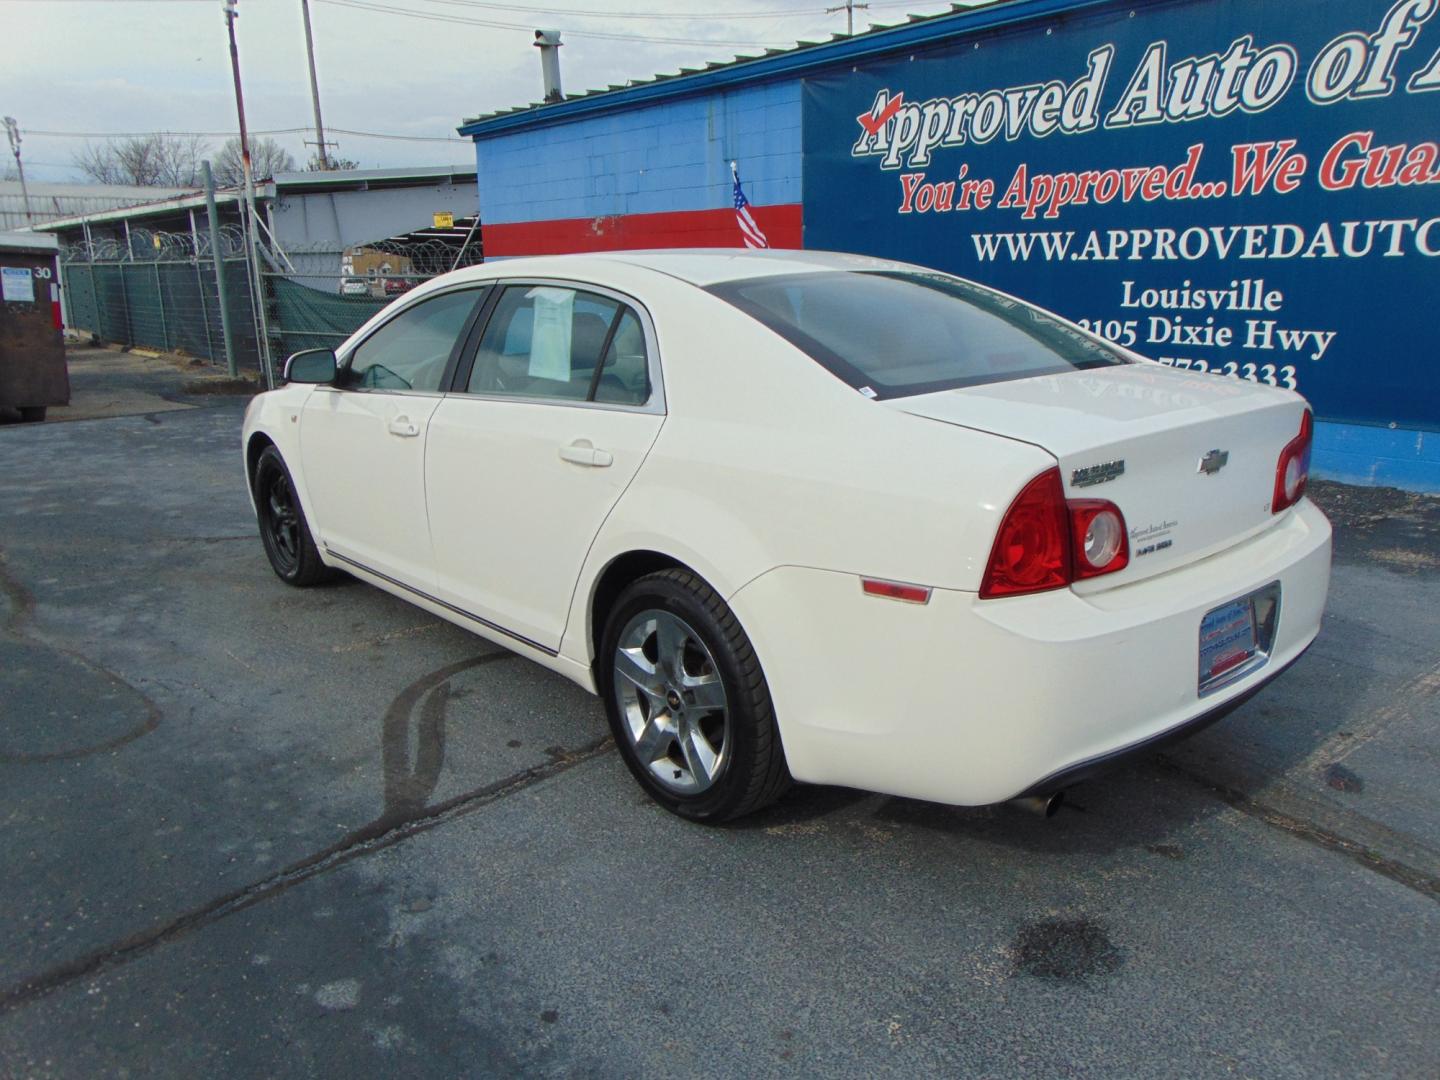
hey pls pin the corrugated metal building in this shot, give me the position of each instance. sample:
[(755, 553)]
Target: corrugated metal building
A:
[(49, 202), (306, 212)]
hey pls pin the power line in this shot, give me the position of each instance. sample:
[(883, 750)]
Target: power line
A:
[(398, 138), (231, 134), (362, 5), (716, 16)]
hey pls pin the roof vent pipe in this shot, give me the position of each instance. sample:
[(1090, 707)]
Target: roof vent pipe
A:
[(548, 42)]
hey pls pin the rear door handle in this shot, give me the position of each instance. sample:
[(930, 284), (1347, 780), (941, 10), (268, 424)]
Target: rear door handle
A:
[(404, 427), (583, 452)]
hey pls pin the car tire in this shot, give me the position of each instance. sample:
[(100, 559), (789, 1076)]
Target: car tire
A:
[(283, 528), (687, 700), (32, 414)]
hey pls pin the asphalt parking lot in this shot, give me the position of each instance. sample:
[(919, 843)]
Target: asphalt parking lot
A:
[(250, 830)]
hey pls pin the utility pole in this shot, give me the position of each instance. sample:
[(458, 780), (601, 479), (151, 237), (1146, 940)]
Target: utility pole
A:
[(320, 153), (252, 229), (217, 256), (12, 129), (848, 7)]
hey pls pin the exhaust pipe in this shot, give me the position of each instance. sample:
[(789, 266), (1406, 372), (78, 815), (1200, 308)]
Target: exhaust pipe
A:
[(548, 42), (1043, 805)]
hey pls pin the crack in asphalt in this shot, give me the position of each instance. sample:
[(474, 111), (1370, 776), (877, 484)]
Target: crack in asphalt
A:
[(22, 611), (391, 829), (1411, 877), (22, 600), (366, 841)]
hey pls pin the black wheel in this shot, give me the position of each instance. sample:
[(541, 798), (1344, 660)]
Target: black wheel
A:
[(283, 528), (32, 414), (687, 700)]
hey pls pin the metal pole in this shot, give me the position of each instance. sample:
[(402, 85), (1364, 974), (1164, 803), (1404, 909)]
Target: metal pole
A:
[(65, 316), (90, 262), (230, 364), (200, 288), (160, 299), (257, 280), (848, 7), (125, 300), (12, 129), (321, 155), (468, 237), (204, 311)]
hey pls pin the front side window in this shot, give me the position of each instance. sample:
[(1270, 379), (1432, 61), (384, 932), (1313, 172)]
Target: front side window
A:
[(411, 351), (551, 341), (893, 334)]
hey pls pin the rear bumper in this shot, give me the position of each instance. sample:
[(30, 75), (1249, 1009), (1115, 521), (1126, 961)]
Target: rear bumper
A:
[(969, 702), (1103, 763)]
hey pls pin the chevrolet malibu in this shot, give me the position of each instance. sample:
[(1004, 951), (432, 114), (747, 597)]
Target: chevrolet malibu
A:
[(803, 516)]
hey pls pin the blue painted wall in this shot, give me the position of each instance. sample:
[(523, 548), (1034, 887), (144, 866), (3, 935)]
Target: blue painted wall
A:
[(1369, 455), (672, 154), (666, 157)]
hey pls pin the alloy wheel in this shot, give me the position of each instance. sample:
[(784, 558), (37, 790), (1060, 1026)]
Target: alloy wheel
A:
[(282, 523), (672, 701)]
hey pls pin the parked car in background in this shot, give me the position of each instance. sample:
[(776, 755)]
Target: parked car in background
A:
[(393, 286), (354, 286), (810, 516)]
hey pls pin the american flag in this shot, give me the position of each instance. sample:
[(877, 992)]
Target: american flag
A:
[(754, 238)]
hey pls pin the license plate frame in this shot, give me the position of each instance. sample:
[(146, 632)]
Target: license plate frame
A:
[(1236, 637)]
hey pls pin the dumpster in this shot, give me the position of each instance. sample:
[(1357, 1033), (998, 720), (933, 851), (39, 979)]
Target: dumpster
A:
[(32, 347)]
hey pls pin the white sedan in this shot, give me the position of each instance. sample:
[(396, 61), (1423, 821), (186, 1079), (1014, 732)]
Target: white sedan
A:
[(810, 516)]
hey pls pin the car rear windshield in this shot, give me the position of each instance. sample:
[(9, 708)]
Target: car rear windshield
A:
[(893, 334)]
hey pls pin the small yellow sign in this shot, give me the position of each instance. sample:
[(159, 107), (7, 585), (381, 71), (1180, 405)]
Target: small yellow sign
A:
[(444, 221)]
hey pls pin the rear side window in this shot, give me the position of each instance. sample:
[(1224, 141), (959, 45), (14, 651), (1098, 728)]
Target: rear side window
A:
[(550, 341), (893, 334)]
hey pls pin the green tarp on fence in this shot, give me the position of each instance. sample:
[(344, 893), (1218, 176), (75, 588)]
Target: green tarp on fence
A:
[(172, 306), (306, 318)]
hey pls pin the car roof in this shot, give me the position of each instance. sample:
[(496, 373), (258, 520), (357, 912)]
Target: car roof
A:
[(709, 266)]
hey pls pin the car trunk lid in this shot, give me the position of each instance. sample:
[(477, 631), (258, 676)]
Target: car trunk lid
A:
[(1188, 458)]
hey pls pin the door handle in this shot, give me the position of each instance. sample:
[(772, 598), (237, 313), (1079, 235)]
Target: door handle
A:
[(404, 427), (583, 452)]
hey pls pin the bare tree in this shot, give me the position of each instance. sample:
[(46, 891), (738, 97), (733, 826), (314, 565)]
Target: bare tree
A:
[(331, 162), (156, 160), (267, 157)]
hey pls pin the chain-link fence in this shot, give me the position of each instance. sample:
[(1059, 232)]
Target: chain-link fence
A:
[(310, 314), (159, 291), (324, 295)]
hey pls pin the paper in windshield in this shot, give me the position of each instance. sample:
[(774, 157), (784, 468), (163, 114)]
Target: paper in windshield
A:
[(550, 339)]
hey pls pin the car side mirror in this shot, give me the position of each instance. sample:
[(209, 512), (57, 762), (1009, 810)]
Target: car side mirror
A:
[(311, 366)]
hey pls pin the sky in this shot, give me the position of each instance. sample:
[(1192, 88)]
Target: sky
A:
[(411, 68)]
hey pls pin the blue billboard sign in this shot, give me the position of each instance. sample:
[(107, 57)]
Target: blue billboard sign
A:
[(1248, 189)]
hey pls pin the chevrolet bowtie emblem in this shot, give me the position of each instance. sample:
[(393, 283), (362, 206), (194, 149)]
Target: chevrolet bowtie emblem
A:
[(1214, 461)]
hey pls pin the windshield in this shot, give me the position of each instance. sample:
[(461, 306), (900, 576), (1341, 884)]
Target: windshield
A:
[(893, 334)]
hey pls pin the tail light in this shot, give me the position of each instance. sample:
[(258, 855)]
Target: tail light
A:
[(1097, 529), (1045, 542), (1292, 473), (1032, 548)]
